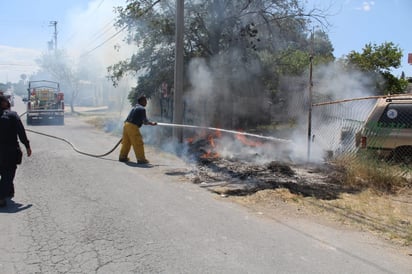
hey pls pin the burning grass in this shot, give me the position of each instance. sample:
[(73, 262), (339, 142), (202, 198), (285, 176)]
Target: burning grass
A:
[(370, 195), (240, 166)]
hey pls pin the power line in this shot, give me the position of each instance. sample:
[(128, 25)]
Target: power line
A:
[(107, 27), (98, 6), (19, 65), (100, 33), (104, 42), (75, 33), (114, 35)]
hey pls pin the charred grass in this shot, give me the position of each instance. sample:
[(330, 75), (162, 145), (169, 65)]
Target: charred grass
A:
[(360, 192), (373, 195)]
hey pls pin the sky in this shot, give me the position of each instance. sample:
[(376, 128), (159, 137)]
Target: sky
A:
[(85, 27), (355, 23)]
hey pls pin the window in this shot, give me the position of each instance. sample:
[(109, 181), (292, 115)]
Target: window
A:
[(396, 116)]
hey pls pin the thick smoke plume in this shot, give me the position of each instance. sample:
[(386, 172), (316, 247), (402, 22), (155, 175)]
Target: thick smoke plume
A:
[(331, 82), (226, 96)]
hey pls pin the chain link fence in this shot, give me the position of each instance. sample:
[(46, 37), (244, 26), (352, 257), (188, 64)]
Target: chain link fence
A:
[(379, 128)]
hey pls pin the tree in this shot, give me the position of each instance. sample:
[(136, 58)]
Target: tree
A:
[(20, 88), (231, 36), (377, 61), (294, 60), (62, 70), (4, 87), (23, 77)]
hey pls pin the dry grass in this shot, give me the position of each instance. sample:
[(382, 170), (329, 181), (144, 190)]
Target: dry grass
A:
[(382, 206), (107, 121), (363, 172), (389, 216), (98, 122), (384, 214)]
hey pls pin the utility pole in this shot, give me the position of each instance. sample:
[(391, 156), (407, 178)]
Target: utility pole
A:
[(54, 24), (178, 77), (310, 99)]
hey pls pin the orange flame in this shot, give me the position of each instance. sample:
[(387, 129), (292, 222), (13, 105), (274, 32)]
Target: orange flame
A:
[(242, 138), (190, 140), (211, 139)]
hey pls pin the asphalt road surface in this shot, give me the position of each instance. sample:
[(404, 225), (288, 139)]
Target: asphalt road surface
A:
[(78, 214)]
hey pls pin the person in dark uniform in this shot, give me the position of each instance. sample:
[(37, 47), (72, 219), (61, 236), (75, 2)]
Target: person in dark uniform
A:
[(11, 128), (131, 132)]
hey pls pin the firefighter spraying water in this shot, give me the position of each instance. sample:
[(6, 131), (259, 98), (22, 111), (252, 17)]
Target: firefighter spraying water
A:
[(228, 131)]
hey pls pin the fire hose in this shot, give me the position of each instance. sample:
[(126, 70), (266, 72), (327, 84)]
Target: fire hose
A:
[(162, 124), (72, 146)]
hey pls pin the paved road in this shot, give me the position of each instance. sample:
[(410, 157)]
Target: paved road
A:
[(79, 214)]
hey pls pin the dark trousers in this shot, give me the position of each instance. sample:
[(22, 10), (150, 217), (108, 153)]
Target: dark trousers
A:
[(7, 174)]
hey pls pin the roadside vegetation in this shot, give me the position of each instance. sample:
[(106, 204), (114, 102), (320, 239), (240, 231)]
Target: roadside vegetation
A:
[(386, 195), (382, 202), (387, 216), (367, 171)]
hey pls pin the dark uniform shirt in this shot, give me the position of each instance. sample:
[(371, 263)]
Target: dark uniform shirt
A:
[(137, 116), (11, 127)]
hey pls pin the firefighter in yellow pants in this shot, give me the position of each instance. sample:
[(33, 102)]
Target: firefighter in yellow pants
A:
[(131, 132)]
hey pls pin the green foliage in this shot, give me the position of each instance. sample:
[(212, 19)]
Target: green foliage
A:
[(393, 85), (295, 59), (20, 88), (4, 87), (379, 60), (322, 48), (237, 35)]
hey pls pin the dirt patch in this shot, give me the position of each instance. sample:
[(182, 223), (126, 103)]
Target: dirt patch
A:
[(308, 191)]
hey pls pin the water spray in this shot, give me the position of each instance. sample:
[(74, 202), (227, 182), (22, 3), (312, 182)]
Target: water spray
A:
[(228, 131)]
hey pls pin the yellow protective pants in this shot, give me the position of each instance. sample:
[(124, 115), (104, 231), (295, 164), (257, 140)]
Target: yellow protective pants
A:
[(132, 137)]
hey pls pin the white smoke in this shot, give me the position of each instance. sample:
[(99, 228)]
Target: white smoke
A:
[(331, 82), (93, 44), (211, 79), (201, 78), (338, 83), (334, 83), (92, 34)]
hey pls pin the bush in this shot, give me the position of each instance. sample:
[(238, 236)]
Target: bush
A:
[(366, 171)]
